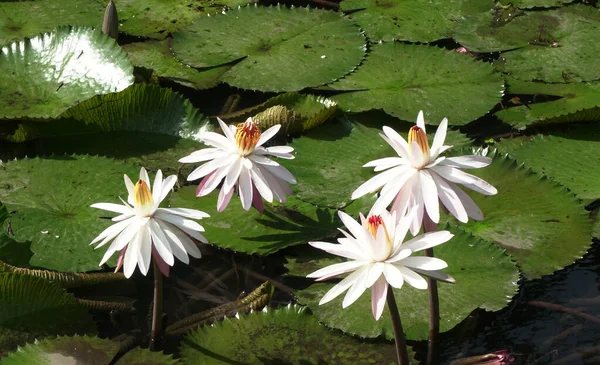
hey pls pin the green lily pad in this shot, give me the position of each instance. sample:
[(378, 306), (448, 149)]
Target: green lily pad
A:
[(528, 4), (542, 225), (485, 278), (54, 71), (570, 157), (578, 102), (157, 18), (303, 47), (414, 21), (342, 148), (279, 226), (22, 19), (14, 253), (51, 201), (289, 335), (402, 79), (32, 308), (139, 356), (157, 56)]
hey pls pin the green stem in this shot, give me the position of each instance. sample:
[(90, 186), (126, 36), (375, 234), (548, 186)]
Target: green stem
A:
[(401, 352), (157, 310)]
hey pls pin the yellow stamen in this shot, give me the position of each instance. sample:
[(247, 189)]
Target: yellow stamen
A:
[(418, 135), (246, 136), (142, 195)]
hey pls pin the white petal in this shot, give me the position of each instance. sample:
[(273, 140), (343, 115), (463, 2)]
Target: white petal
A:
[(186, 212), (357, 289), (145, 250), (224, 199), (421, 120), (470, 181), (130, 259), (472, 209), (393, 276), (424, 263), (232, 175), (178, 221), (358, 231), (144, 176), (385, 163), (439, 138), (343, 250), (245, 189), (168, 185), (211, 166), (377, 181), (399, 254), (216, 140), (204, 154), (339, 288), (281, 173), (412, 278), (268, 134), (161, 243), (281, 152), (226, 130), (373, 273), (467, 162), (261, 185), (430, 196), (416, 202), (378, 297), (336, 269), (177, 247), (117, 208), (438, 275), (416, 155), (130, 189), (111, 232), (449, 198), (261, 159), (157, 187), (427, 240), (214, 180), (396, 142)]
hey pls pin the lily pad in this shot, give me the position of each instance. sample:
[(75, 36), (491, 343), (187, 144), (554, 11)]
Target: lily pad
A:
[(279, 226), (32, 307), (289, 335), (528, 4), (570, 157), (342, 147), (157, 56), (45, 75), (541, 224), (140, 356), (51, 201), (22, 19), (402, 79), (578, 102), (485, 278), (405, 20), (14, 253), (301, 47)]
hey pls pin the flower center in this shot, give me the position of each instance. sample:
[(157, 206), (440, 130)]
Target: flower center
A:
[(373, 224), (418, 135), (246, 136), (143, 198)]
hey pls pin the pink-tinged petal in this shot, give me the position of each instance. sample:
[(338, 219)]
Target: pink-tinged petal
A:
[(396, 141), (216, 140), (376, 182), (439, 138), (427, 240), (215, 180), (449, 199), (339, 288), (385, 163), (437, 275), (467, 162), (421, 120), (224, 199), (424, 263), (144, 176), (157, 187), (120, 261), (344, 250), (164, 268), (430, 196), (393, 276), (412, 278), (268, 134), (161, 243), (185, 212), (260, 159), (416, 155), (336, 269), (261, 185), (211, 166), (204, 154), (281, 173), (357, 289), (373, 273), (472, 209), (117, 208), (378, 297), (200, 188), (257, 202), (245, 189), (226, 131), (130, 189), (470, 181), (167, 187), (143, 254)]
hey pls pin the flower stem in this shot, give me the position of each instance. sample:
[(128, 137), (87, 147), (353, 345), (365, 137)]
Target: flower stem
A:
[(401, 352), (434, 304), (157, 310)]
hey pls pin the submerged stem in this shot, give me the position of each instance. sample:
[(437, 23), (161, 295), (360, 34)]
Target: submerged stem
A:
[(434, 303), (401, 352), (157, 310)]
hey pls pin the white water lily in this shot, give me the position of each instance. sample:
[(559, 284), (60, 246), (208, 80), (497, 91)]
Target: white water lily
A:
[(419, 178), (240, 159), (142, 228), (378, 257)]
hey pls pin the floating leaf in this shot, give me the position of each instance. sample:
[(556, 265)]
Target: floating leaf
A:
[(485, 278), (279, 226), (33, 308), (54, 71), (578, 102), (415, 21), (288, 335), (52, 210), (402, 79), (157, 56), (22, 19), (541, 224), (528, 4), (139, 356), (342, 147), (305, 47)]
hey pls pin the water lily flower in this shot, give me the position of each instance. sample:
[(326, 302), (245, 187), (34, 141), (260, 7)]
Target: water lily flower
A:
[(378, 257), (240, 159), (419, 178), (143, 228)]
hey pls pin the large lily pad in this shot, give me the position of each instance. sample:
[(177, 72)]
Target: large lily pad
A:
[(541, 224), (22, 19), (32, 307), (157, 56), (289, 335), (342, 148), (44, 76), (406, 20), (51, 201), (485, 278), (402, 79), (578, 102), (528, 4), (279, 226), (278, 48), (140, 356)]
